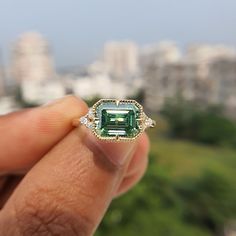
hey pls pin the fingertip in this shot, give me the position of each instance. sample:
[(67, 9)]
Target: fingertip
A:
[(140, 157), (74, 102), (136, 167), (130, 181), (59, 114), (144, 142), (38, 129), (68, 99)]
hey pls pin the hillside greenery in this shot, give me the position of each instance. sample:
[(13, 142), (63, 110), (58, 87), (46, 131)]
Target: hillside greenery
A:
[(190, 185), (199, 123), (189, 189)]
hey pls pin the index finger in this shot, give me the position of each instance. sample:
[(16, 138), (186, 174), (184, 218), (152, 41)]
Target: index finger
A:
[(27, 135)]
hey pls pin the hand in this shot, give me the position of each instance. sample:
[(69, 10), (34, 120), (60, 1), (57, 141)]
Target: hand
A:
[(57, 180)]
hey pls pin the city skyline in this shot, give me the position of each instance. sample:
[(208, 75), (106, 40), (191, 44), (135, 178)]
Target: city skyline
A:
[(204, 73), (77, 31)]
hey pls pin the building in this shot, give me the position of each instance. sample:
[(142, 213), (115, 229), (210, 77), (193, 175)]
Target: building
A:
[(204, 53), (163, 71), (40, 92), (31, 59), (169, 80), (121, 60), (33, 70), (160, 54), (206, 75), (99, 86), (222, 76)]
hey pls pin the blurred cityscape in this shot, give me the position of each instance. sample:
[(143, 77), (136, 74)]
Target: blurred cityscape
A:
[(189, 188), (205, 74)]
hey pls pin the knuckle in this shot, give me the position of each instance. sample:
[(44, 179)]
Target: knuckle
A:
[(44, 213)]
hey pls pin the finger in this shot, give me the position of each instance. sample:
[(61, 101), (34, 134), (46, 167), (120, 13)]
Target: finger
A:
[(137, 163), (68, 191), (136, 168), (29, 134), (11, 182), (130, 181), (140, 157), (3, 180)]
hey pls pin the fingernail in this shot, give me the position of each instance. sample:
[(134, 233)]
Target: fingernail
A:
[(117, 153)]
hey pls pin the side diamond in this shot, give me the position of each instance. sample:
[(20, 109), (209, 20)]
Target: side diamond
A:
[(84, 120), (88, 119), (148, 122)]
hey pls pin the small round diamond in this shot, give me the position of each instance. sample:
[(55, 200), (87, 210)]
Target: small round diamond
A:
[(87, 120), (148, 122), (84, 120)]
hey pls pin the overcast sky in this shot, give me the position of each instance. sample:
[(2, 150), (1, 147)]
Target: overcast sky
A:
[(77, 29)]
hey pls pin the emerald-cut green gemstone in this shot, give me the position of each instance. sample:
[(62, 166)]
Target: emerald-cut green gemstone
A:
[(120, 120)]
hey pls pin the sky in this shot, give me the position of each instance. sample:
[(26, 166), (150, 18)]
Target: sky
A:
[(78, 29)]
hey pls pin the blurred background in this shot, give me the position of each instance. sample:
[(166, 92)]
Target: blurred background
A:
[(178, 59)]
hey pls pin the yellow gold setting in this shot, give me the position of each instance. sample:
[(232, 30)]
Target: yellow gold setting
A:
[(116, 120)]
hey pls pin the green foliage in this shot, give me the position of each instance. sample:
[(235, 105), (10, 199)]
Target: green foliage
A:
[(139, 96), (92, 101), (208, 126), (188, 190), (207, 201)]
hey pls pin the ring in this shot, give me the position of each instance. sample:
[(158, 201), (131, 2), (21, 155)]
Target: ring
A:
[(116, 120)]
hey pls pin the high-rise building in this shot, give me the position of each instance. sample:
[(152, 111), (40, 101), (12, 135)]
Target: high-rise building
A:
[(163, 72), (32, 68), (206, 75), (223, 82), (203, 55), (161, 53), (121, 59), (169, 80), (31, 59)]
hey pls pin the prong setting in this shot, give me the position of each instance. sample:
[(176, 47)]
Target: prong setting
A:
[(116, 120)]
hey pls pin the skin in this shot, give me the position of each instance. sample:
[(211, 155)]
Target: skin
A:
[(57, 180)]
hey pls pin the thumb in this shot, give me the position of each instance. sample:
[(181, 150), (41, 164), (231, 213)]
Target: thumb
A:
[(68, 191)]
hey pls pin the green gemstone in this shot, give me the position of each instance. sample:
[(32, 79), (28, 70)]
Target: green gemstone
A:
[(120, 120)]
